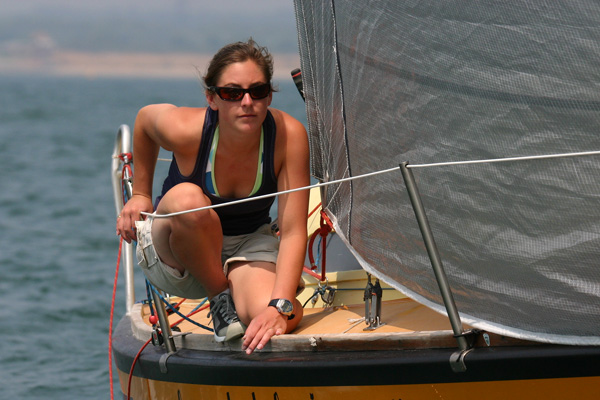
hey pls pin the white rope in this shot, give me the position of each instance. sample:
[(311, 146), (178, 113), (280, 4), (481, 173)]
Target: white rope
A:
[(158, 159), (384, 171), (265, 196), (494, 160)]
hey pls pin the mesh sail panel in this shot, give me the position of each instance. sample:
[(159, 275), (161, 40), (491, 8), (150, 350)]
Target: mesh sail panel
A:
[(431, 82)]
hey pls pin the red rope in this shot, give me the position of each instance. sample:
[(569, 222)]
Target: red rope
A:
[(110, 328), (126, 157), (325, 228), (311, 242), (312, 273), (314, 210), (126, 168), (137, 356), (190, 314), (135, 360)]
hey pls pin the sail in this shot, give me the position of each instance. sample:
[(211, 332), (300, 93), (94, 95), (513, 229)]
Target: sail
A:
[(431, 82)]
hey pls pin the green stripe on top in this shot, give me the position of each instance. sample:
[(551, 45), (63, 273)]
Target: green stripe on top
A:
[(259, 168), (211, 183)]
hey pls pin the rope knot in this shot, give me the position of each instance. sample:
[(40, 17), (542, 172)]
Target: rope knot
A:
[(126, 157)]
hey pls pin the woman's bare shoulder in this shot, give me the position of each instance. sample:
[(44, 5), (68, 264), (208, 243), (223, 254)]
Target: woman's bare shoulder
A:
[(287, 124), (291, 143), (174, 127), (181, 117)]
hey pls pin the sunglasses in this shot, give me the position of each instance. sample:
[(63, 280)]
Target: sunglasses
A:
[(237, 94)]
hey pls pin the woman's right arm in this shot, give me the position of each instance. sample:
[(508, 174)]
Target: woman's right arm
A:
[(147, 140)]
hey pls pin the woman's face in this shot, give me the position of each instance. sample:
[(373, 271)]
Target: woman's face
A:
[(247, 114)]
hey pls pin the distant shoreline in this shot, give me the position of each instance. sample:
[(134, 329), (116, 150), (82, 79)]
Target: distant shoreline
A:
[(127, 65)]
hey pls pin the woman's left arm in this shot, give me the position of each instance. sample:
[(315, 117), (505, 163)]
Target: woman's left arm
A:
[(292, 212), (294, 172)]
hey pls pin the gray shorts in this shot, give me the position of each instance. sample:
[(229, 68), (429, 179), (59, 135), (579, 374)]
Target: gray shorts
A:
[(261, 245)]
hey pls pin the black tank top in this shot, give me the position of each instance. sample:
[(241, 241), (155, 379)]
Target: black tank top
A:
[(237, 219)]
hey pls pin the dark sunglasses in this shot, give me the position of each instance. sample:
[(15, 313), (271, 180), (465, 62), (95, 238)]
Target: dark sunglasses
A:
[(237, 94)]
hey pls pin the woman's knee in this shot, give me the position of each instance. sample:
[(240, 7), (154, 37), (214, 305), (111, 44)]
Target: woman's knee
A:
[(298, 314), (187, 196), (184, 196)]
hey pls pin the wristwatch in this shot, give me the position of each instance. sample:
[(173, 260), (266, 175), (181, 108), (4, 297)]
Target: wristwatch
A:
[(283, 306)]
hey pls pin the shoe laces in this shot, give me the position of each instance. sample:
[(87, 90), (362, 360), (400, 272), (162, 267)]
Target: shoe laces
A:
[(224, 307)]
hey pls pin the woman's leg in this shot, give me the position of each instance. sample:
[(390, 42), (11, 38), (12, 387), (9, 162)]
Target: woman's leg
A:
[(251, 286), (193, 242), (190, 241)]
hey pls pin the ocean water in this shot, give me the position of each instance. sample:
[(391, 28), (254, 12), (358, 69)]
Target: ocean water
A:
[(58, 251)]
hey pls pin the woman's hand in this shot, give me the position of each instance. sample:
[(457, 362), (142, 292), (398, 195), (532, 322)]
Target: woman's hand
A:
[(262, 328), (132, 212)]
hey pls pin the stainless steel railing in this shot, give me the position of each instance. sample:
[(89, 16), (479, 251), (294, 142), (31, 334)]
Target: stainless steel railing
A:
[(122, 156)]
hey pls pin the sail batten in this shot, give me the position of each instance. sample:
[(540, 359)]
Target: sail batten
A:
[(430, 82)]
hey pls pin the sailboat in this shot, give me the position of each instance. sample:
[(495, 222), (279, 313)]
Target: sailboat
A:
[(457, 154)]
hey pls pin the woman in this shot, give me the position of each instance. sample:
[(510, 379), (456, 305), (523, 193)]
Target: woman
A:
[(235, 148)]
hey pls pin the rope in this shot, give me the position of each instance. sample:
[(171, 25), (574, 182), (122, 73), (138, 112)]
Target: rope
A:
[(196, 310), (125, 157), (139, 353), (177, 311), (314, 210), (265, 196), (137, 356), (507, 159), (120, 156), (354, 323), (312, 273), (110, 327), (126, 171), (325, 228), (370, 174)]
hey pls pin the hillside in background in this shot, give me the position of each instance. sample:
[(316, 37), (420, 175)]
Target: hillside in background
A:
[(149, 26), (137, 37)]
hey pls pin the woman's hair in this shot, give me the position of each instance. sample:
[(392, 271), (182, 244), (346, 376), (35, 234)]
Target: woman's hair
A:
[(239, 52)]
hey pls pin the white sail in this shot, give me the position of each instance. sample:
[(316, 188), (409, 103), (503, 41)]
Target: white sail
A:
[(429, 82)]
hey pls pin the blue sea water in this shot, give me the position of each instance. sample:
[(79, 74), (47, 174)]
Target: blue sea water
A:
[(58, 251)]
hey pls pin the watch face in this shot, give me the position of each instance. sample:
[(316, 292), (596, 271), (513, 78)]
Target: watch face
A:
[(285, 306)]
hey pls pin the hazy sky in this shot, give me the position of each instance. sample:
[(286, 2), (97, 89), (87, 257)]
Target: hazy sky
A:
[(150, 25), (256, 7)]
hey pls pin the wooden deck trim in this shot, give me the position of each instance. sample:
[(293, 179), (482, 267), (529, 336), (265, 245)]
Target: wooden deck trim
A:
[(378, 340)]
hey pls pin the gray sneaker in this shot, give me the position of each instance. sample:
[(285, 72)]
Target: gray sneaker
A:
[(226, 324)]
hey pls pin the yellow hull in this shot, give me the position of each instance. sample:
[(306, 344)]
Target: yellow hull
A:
[(565, 388)]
